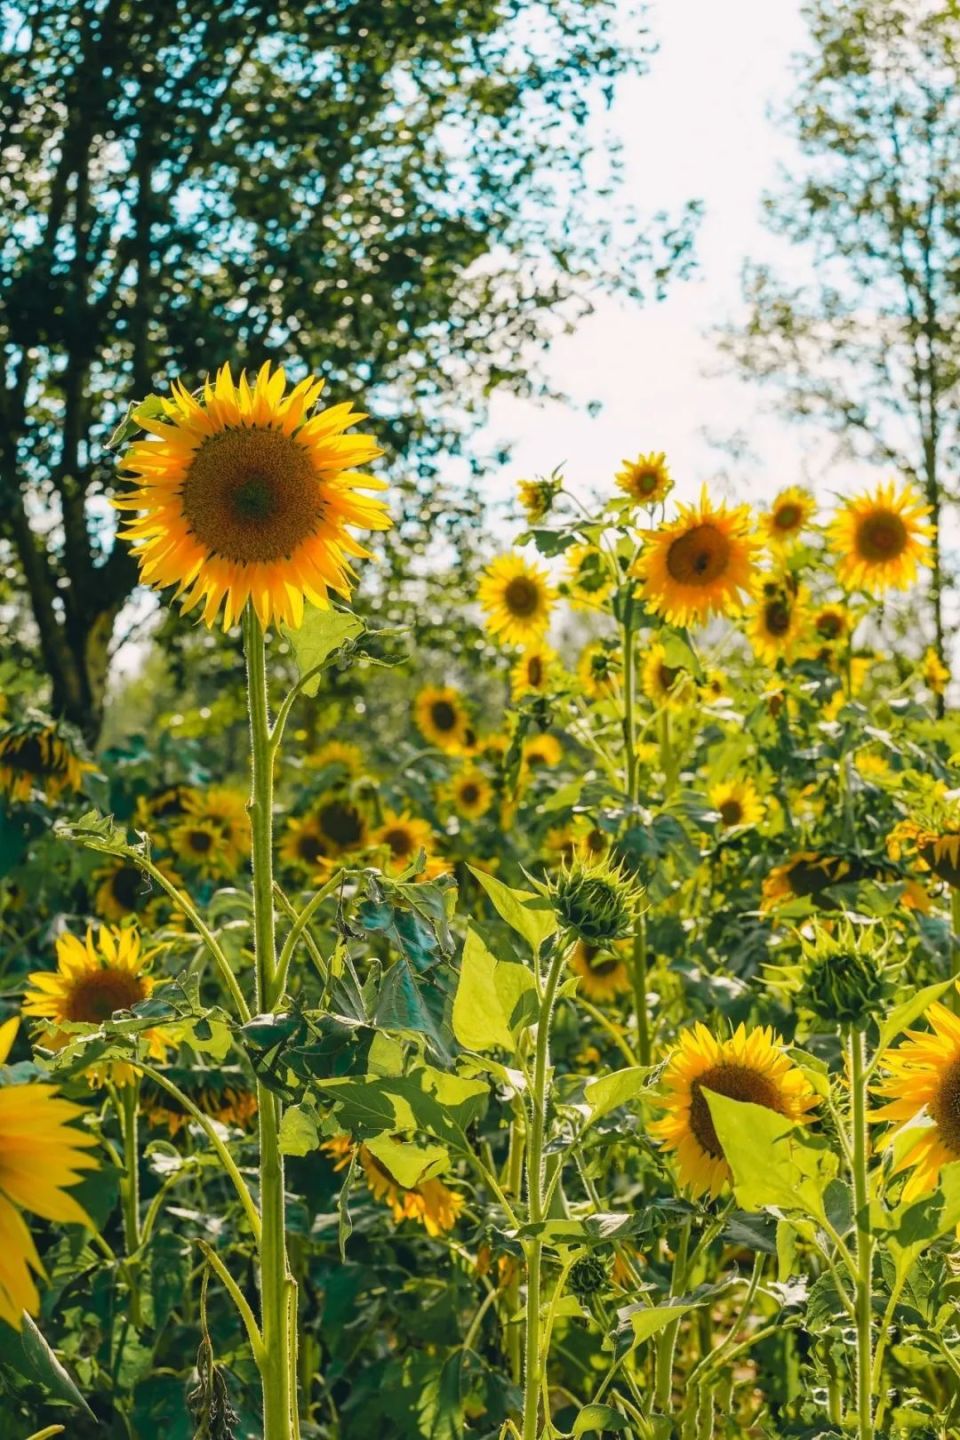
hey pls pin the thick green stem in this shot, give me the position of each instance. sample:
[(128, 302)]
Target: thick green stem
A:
[(534, 1359), (639, 978), (277, 1286), (864, 1300), (629, 704), (667, 1340), (128, 1101)]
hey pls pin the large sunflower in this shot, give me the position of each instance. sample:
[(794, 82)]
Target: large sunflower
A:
[(778, 622), (244, 495), (737, 803), (440, 717), (923, 1079), (749, 1066), (790, 514), (518, 599), (303, 846), (42, 1154), (38, 755), (701, 564), (881, 538), (603, 975), (645, 480)]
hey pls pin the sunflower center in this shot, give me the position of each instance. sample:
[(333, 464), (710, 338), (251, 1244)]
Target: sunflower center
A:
[(400, 842), (668, 676), (341, 823), (731, 812), (535, 671), (200, 841), (28, 757), (829, 625), (736, 1082), (522, 596), (469, 794), (600, 963), (881, 536), (443, 715), (646, 481), (776, 617), (788, 517), (126, 887), (251, 495), (95, 997), (311, 848), (945, 1109), (699, 557)]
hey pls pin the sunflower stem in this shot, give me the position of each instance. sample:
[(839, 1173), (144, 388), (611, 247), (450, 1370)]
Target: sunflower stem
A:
[(128, 1100), (953, 996), (667, 1339), (864, 1293), (277, 1286)]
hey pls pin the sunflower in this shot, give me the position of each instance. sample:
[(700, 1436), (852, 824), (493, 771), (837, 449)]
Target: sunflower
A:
[(808, 873), (123, 890), (244, 495), (303, 846), (923, 1081), (403, 837), (537, 496), (42, 1154), (440, 717), (933, 672), (226, 808), (778, 622), (832, 623), (588, 581), (700, 565), (790, 513), (645, 480), (603, 975), (533, 674), (348, 757), (737, 803), (542, 750), (38, 755), (94, 979), (225, 1095), (171, 802), (598, 670), (666, 685), (431, 1203), (881, 538), (518, 599), (201, 845), (341, 823), (748, 1066), (471, 793)]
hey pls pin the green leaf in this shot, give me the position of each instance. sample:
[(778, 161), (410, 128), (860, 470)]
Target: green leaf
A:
[(916, 1225), (298, 1131), (409, 1164), (27, 1352), (902, 1016), (524, 911), (313, 642), (647, 1320), (608, 1092), (426, 1100), (489, 993), (773, 1163), (598, 1418)]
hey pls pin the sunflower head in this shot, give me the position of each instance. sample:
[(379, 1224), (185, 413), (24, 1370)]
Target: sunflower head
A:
[(242, 493), (537, 497), (40, 756), (598, 670), (700, 565), (533, 673), (668, 686), (933, 672), (750, 1066), (122, 891), (595, 901), (806, 874), (471, 793), (922, 1082), (789, 515), (844, 975), (402, 837), (778, 621), (518, 598), (200, 844), (341, 754), (304, 847), (542, 752), (881, 539), (589, 1277), (340, 822), (94, 978), (603, 973), (646, 480), (440, 717), (588, 581), (737, 802)]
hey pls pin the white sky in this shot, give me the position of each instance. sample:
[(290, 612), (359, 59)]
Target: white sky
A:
[(697, 126)]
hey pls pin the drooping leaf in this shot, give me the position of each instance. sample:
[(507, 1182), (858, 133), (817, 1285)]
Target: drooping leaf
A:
[(525, 912), (321, 634)]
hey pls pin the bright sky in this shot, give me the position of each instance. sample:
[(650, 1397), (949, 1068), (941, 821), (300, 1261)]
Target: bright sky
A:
[(696, 126)]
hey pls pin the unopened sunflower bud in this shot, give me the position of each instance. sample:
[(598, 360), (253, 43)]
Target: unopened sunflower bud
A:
[(596, 901), (843, 976), (587, 1278)]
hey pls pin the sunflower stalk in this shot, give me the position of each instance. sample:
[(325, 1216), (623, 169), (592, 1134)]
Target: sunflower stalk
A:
[(278, 1326), (864, 1255)]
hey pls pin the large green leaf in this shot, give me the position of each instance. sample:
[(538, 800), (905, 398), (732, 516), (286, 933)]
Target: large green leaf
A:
[(597, 1419), (773, 1163), (525, 912), (409, 1164), (489, 994), (298, 1131), (28, 1352), (320, 635), (608, 1092), (427, 1100), (902, 1016)]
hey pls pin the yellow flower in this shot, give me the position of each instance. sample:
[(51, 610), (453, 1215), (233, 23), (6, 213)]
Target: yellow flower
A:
[(518, 599), (201, 844), (603, 974), (303, 845), (337, 752), (645, 480), (542, 750), (737, 802), (340, 822), (537, 496), (588, 576), (750, 1066), (39, 756), (225, 1095), (244, 495), (933, 672), (225, 808), (123, 890), (431, 1203), (441, 718), (670, 686), (807, 873), (471, 793), (93, 980), (923, 1081), (403, 837), (881, 538), (170, 803), (598, 670), (778, 622), (533, 673), (790, 513), (700, 565), (933, 849), (42, 1155)]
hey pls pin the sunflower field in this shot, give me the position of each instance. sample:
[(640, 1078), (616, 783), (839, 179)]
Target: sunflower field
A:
[(547, 1031)]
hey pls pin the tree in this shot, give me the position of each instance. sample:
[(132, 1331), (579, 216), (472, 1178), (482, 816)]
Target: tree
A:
[(870, 346), (391, 192)]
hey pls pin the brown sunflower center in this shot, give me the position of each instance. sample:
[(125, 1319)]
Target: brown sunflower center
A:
[(829, 625), (126, 887), (400, 841), (311, 848), (736, 1082), (776, 617), (251, 495), (522, 596), (668, 676), (95, 996), (699, 557), (469, 793), (881, 535), (731, 812), (443, 715), (341, 823), (788, 517), (945, 1109), (200, 841), (535, 671), (646, 481)]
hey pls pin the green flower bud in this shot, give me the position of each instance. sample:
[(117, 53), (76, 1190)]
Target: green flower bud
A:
[(587, 1277), (595, 901)]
